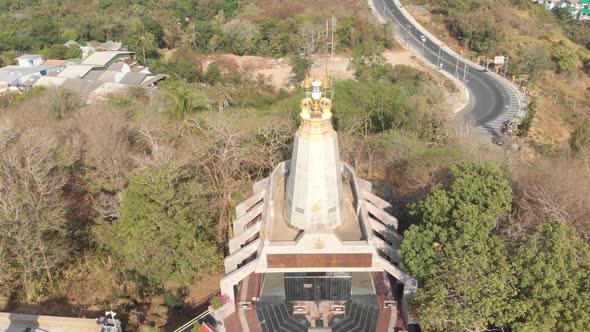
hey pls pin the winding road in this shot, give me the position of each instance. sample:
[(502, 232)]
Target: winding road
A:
[(492, 98)]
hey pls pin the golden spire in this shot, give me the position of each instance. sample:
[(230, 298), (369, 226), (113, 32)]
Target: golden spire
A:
[(306, 83)]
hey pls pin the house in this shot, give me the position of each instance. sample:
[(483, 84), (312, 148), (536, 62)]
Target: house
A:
[(107, 58), (103, 73), (29, 60), (584, 14), (29, 69), (578, 9), (106, 46)]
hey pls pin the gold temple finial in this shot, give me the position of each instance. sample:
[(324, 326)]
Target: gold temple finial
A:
[(315, 76), (307, 83), (326, 82)]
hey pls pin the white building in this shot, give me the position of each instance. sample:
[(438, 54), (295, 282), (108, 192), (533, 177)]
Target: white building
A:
[(29, 60), (313, 247)]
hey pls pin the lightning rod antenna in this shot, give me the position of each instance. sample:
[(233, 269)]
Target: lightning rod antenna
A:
[(332, 59)]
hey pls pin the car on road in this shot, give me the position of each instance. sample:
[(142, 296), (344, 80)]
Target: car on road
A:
[(422, 38)]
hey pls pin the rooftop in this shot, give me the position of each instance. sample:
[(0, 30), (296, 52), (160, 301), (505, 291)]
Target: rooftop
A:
[(10, 322), (28, 57), (13, 74), (75, 71), (103, 58)]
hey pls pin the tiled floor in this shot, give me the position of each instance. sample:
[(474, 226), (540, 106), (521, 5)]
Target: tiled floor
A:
[(247, 288)]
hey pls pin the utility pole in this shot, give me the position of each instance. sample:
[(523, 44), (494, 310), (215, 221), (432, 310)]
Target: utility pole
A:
[(438, 58), (407, 29), (465, 73), (506, 67), (332, 58), (457, 65), (423, 41)]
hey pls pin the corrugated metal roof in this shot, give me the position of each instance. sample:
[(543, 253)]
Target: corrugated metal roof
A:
[(29, 57), (54, 62), (75, 71), (109, 46), (12, 74), (133, 78), (153, 79), (102, 58), (93, 74), (71, 42), (108, 88), (81, 86), (107, 76), (51, 81)]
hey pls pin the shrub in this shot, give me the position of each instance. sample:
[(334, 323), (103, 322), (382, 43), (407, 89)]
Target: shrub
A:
[(215, 302), (171, 301)]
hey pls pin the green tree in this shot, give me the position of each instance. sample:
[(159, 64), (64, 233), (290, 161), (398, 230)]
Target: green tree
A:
[(381, 102), (470, 289), (466, 212), (69, 34), (526, 123), (562, 13), (565, 59), (212, 74), (155, 29), (241, 36), (580, 138), (164, 231), (553, 268), (300, 66), (56, 51), (368, 63), (142, 42), (533, 61), (185, 100), (73, 52), (467, 281), (7, 58)]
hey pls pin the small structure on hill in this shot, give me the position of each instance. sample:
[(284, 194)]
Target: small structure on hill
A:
[(30, 68)]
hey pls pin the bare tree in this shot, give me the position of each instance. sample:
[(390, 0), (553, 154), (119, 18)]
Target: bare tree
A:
[(272, 145), (32, 211), (309, 36), (107, 158), (553, 189), (222, 163)]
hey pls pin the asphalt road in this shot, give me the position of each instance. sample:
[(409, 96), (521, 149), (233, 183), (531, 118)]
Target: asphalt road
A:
[(492, 101)]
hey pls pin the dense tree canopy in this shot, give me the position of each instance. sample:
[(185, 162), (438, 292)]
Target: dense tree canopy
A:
[(162, 234), (467, 277), (463, 215), (553, 269)]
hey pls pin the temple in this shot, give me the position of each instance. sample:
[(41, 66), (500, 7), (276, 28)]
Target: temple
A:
[(313, 249)]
